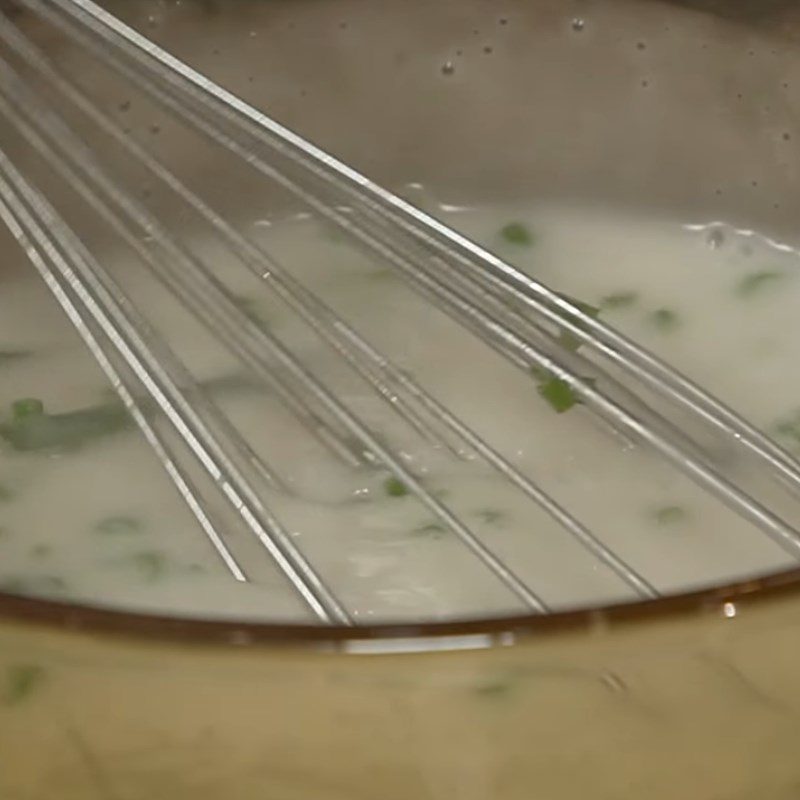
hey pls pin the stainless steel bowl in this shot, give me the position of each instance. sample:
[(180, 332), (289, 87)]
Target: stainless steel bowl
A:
[(672, 106)]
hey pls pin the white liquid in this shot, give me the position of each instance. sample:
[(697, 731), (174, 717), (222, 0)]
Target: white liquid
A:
[(388, 557)]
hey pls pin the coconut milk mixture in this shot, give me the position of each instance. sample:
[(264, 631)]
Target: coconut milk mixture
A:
[(87, 513)]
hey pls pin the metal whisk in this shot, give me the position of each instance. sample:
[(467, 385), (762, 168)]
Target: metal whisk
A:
[(510, 312)]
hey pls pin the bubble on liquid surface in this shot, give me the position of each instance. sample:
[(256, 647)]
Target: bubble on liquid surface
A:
[(448, 68), (578, 24)]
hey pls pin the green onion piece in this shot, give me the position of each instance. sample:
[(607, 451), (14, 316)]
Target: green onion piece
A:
[(518, 234), (494, 689), (619, 300), (121, 525), (9, 356), (75, 429), (789, 428), (432, 528), (756, 281), (27, 407), (556, 391), (151, 564), (664, 319), (31, 429), (490, 515), (559, 394), (394, 487), (21, 681), (669, 515)]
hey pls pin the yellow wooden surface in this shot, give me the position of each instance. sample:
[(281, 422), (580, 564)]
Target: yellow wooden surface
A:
[(704, 707)]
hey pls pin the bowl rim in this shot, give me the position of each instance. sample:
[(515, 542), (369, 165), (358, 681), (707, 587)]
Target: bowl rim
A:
[(721, 600)]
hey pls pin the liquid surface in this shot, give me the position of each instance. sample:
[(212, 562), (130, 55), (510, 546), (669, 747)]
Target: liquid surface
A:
[(88, 514)]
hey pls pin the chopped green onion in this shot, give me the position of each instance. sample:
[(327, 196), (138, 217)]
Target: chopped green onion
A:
[(619, 300), (669, 515), (518, 234), (27, 407), (433, 528), (556, 391), (151, 564), (394, 487), (32, 429), (559, 394), (789, 428), (756, 281), (494, 689), (121, 525), (664, 319), (490, 515), (21, 681), (9, 356), (41, 550)]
